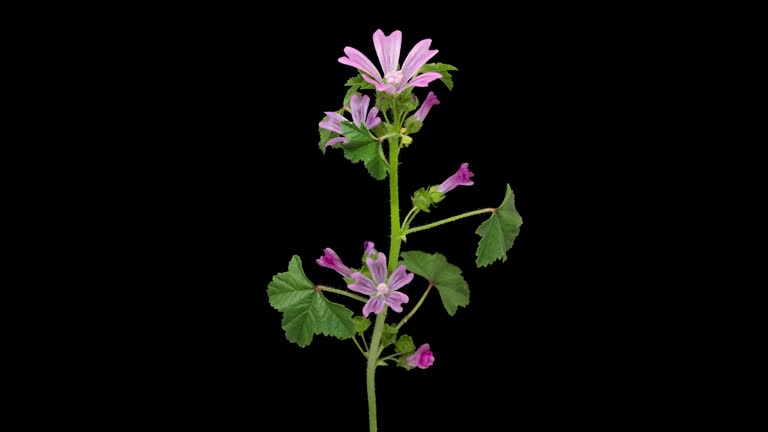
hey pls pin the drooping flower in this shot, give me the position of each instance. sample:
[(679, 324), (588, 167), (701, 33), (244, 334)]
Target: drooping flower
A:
[(370, 248), (422, 358), (461, 178), (382, 290), (427, 105), (388, 50), (332, 261), (359, 107)]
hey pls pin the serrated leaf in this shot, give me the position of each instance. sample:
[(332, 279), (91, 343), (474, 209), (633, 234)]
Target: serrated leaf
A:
[(290, 288), (351, 92), (498, 233), (443, 69), (306, 311), (359, 82), (357, 136), (362, 147), (361, 324), (404, 345), (445, 276)]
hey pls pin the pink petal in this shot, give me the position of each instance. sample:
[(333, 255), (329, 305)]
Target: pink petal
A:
[(395, 300), (423, 80), (357, 60), (362, 284), (418, 57), (373, 119), (388, 49), (375, 305), (333, 141), (369, 246), (378, 268), (373, 82), (359, 106), (399, 278)]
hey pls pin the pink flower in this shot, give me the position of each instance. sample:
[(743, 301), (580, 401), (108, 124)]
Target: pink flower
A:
[(388, 50), (422, 358), (461, 178), (423, 110), (332, 261), (359, 108), (382, 290), (370, 248)]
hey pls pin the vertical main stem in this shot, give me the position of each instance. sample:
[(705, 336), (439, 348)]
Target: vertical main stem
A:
[(373, 359), (394, 205), (394, 253)]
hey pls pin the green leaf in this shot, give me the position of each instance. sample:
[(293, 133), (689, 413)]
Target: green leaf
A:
[(405, 345), (291, 288), (497, 234), (362, 147), (389, 335), (357, 136), (446, 277), (361, 324), (351, 92), (444, 69), (306, 311), (359, 82)]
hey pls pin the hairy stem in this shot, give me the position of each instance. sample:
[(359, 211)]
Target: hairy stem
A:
[(373, 359), (394, 253), (340, 292), (415, 308), (447, 220)]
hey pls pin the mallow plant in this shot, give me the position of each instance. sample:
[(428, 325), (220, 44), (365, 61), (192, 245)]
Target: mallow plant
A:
[(380, 114)]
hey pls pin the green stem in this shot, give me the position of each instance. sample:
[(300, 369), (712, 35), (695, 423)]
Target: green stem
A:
[(447, 220), (373, 360), (415, 308), (344, 293), (394, 253), (354, 339), (394, 204), (408, 218), (389, 357)]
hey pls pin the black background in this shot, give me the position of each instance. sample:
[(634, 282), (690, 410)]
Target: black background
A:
[(232, 184)]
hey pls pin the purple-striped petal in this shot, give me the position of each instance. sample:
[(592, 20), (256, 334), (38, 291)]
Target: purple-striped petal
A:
[(399, 278), (372, 81), (358, 60), (332, 261), (378, 268), (388, 49), (333, 122), (373, 119), (389, 88), (427, 105), (418, 57), (375, 305), (395, 300), (461, 178), (370, 248), (362, 284), (333, 141), (359, 106), (422, 80)]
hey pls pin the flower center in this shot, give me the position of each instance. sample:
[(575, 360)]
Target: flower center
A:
[(394, 77), (382, 288)]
